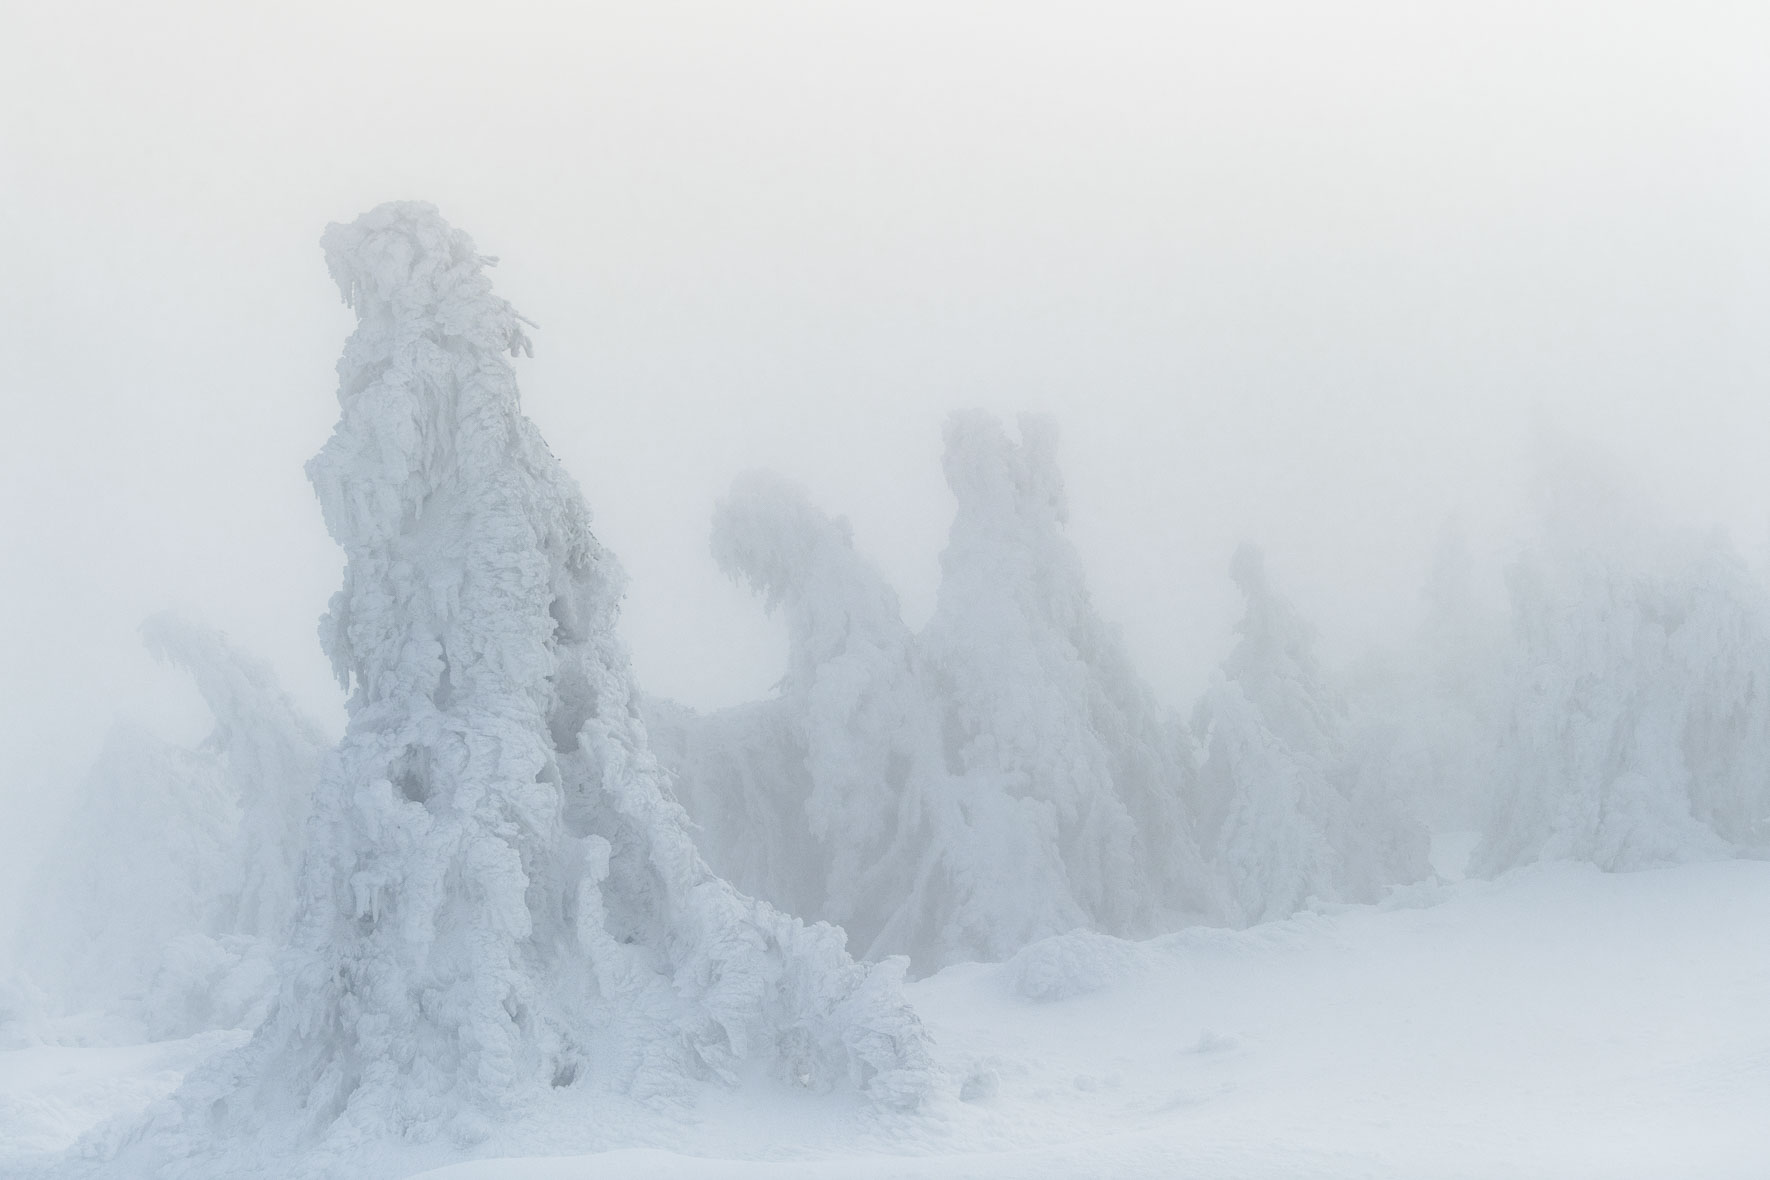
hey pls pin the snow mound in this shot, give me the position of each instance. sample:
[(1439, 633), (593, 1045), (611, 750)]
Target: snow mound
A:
[(1070, 965)]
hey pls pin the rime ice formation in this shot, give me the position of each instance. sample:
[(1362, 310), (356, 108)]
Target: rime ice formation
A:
[(1638, 730), (1291, 810), (500, 894), (956, 795), (175, 881)]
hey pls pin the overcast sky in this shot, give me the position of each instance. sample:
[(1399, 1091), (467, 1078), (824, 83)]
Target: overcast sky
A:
[(1310, 275)]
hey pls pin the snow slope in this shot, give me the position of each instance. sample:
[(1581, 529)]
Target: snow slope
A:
[(1556, 1022)]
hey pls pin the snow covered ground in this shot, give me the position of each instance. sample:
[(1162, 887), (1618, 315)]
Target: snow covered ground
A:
[(1558, 1022)]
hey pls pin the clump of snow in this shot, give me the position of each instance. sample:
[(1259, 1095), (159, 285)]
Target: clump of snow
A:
[(1070, 965)]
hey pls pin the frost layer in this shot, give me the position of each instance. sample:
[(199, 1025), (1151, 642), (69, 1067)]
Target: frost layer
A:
[(500, 894)]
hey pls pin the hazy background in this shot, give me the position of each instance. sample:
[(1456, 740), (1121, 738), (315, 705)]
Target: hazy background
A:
[(1306, 274)]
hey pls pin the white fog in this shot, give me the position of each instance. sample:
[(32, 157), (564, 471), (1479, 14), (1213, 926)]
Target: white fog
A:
[(1255, 512)]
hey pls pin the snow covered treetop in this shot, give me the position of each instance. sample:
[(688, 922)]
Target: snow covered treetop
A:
[(766, 532), (402, 261), (989, 471)]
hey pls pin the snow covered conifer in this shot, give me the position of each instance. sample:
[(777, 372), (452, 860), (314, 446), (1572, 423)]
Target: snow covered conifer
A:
[(500, 896), (174, 881), (1037, 692), (801, 794), (1638, 733), (1289, 813), (909, 857)]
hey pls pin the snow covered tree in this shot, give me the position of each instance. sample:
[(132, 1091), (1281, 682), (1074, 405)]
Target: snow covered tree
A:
[(1456, 692), (500, 895), (840, 778), (175, 879), (1000, 778), (272, 753), (1638, 731), (1290, 810), (1038, 695), (800, 794)]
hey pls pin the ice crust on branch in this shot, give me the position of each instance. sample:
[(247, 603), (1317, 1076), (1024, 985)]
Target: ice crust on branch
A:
[(958, 794), (1293, 808), (174, 881), (501, 895)]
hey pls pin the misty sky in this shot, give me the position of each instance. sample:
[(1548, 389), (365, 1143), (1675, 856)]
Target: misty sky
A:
[(1309, 275)]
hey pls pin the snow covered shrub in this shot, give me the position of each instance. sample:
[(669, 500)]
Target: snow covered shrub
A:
[(1292, 809), (500, 895), (1639, 732), (179, 862)]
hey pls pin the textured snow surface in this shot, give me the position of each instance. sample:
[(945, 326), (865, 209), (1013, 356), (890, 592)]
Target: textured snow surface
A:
[(1556, 1022)]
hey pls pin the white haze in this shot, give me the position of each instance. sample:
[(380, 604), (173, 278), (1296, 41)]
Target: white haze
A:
[(1310, 276)]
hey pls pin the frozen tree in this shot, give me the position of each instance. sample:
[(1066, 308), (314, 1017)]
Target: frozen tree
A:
[(272, 754), (1426, 712), (800, 794), (500, 895), (1003, 777), (1638, 731), (834, 794), (1292, 807), (1457, 690), (174, 880), (1038, 696)]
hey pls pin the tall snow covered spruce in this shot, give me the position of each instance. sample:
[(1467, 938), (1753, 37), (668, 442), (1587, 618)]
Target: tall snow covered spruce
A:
[(1037, 691), (1291, 811), (501, 895)]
